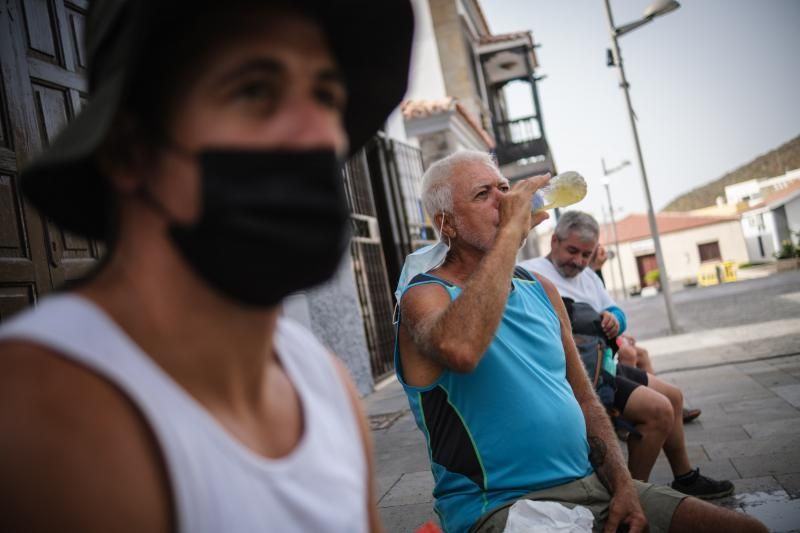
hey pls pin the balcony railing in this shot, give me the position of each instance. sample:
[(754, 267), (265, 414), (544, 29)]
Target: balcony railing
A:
[(519, 130), (520, 138)]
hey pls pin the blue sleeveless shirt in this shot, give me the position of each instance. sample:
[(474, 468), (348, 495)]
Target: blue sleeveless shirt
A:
[(509, 427)]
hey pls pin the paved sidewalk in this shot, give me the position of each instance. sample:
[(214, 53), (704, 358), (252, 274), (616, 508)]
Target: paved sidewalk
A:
[(745, 378)]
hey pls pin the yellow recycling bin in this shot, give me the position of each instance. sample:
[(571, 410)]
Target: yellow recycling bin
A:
[(707, 274), (728, 271), (716, 273)]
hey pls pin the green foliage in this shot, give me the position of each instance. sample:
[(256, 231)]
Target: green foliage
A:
[(748, 264), (788, 250), (652, 277)]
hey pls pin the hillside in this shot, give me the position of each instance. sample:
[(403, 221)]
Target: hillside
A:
[(773, 163)]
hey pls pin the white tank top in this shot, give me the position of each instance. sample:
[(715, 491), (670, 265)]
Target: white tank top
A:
[(217, 483)]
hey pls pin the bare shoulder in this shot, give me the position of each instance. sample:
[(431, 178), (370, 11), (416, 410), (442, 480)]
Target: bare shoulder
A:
[(422, 301), (75, 453)]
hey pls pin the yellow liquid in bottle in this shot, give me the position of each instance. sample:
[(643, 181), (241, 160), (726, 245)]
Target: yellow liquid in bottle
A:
[(564, 189)]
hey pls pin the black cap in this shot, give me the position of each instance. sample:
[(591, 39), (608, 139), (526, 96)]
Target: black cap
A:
[(371, 40)]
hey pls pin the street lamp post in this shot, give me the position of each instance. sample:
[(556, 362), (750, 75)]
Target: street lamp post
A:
[(607, 184), (659, 7)]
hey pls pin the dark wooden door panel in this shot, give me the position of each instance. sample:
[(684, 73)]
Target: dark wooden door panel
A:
[(40, 29), (42, 87), (58, 88), (14, 298)]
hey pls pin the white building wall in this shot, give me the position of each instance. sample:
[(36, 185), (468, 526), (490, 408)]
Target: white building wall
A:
[(681, 253), (395, 128), (426, 81), (771, 234), (754, 188), (793, 216), (735, 193)]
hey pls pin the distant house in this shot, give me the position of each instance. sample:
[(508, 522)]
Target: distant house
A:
[(772, 219), (687, 241)]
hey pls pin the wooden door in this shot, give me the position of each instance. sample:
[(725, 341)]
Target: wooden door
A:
[(43, 86), (645, 263)]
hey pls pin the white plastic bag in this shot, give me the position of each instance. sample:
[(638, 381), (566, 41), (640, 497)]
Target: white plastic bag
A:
[(529, 516)]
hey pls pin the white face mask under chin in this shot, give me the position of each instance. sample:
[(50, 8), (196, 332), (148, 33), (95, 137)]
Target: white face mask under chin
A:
[(423, 260)]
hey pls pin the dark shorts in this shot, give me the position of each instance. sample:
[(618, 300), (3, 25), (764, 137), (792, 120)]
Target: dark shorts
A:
[(628, 378)]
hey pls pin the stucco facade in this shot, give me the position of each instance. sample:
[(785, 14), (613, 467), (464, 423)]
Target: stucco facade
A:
[(681, 253)]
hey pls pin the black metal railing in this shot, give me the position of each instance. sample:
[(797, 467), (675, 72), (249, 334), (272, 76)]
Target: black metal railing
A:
[(520, 139), (519, 130), (369, 267), (383, 186), (408, 170)]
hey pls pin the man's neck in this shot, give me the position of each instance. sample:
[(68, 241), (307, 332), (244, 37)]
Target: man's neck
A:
[(217, 350), (461, 262)]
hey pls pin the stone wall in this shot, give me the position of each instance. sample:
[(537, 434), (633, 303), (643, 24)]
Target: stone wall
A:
[(436, 146), (455, 55), (333, 313)]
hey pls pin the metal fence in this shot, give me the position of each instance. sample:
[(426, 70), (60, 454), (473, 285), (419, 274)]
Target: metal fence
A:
[(383, 183), (369, 268), (396, 169)]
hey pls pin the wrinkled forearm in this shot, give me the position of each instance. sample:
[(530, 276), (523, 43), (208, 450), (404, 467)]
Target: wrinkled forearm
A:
[(461, 335), (605, 453)]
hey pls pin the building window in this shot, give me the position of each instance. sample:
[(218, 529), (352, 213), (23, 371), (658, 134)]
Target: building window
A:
[(709, 251), (761, 246)]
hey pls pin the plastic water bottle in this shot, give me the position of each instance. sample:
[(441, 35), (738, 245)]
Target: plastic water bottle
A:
[(564, 189)]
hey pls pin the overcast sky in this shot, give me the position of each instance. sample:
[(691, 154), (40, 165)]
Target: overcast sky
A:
[(714, 84)]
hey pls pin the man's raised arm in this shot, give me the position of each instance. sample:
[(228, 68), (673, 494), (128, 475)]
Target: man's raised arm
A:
[(456, 334)]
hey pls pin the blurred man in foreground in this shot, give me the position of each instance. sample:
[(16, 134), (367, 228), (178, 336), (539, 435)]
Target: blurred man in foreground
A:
[(166, 392)]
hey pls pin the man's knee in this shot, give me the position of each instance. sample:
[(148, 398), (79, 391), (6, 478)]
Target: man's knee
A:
[(627, 355), (664, 414), (674, 395), (651, 409), (670, 391)]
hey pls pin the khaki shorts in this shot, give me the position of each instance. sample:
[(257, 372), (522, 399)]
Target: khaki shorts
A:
[(659, 503)]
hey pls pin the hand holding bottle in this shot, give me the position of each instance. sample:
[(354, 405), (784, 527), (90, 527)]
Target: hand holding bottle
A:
[(515, 205), (564, 189)]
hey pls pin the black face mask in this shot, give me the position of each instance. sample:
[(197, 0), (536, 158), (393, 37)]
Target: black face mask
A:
[(272, 223)]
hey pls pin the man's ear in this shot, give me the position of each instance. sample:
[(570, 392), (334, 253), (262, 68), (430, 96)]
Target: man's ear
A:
[(444, 221), (120, 174), (553, 241), (123, 158)]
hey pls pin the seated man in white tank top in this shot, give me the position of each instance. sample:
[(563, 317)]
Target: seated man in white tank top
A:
[(165, 392)]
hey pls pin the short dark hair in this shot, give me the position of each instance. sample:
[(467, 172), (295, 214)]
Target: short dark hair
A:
[(579, 222)]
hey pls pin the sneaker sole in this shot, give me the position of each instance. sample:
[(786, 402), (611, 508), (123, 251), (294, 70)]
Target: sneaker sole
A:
[(713, 496), (694, 415)]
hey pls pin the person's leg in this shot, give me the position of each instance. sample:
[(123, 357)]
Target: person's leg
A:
[(587, 492), (643, 360), (687, 480), (627, 355), (675, 443), (652, 414), (698, 516)]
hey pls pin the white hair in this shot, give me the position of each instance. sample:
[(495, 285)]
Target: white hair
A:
[(437, 182)]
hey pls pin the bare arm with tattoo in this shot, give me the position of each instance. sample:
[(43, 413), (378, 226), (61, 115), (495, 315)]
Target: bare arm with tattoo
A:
[(605, 454)]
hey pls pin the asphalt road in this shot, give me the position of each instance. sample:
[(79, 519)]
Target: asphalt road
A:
[(732, 304)]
